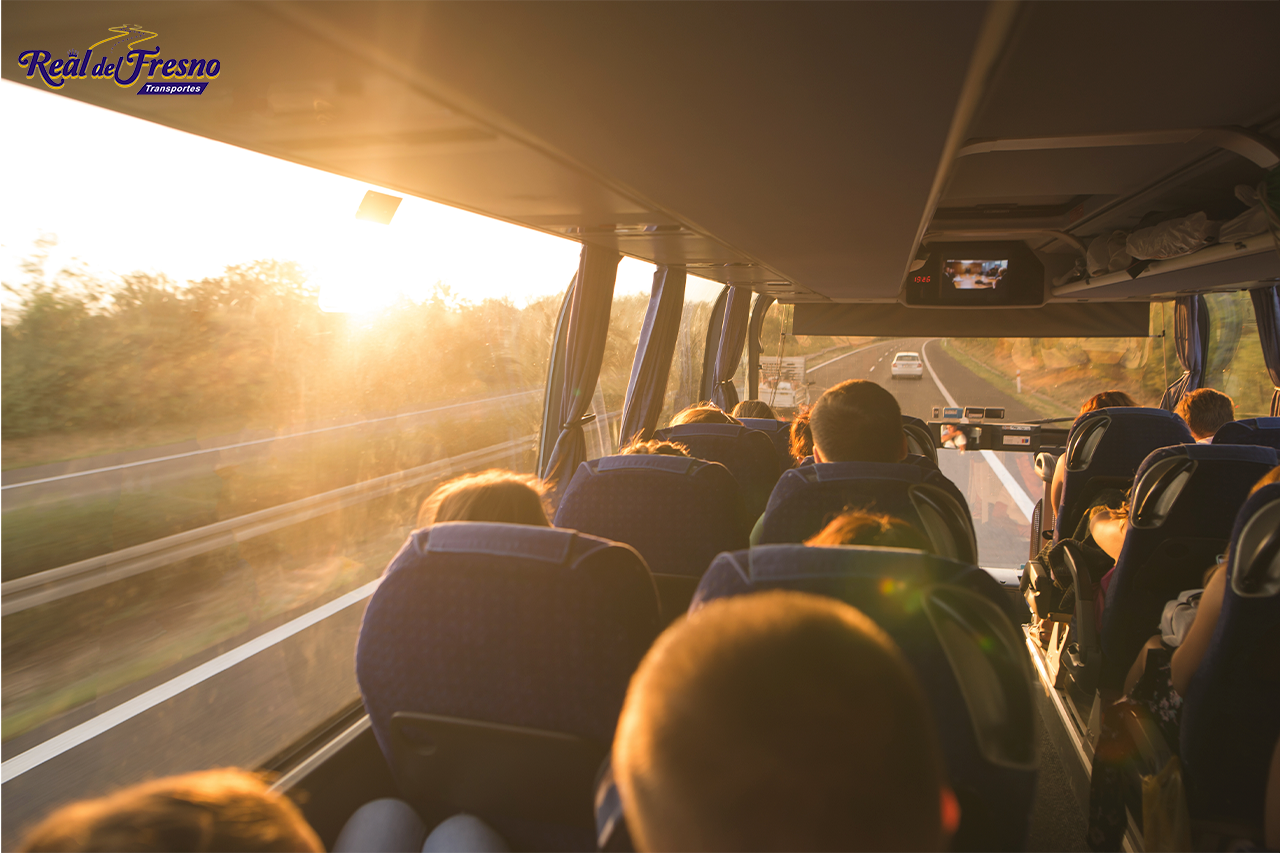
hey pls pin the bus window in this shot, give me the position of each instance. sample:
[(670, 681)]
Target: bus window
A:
[(1236, 366), (684, 382)]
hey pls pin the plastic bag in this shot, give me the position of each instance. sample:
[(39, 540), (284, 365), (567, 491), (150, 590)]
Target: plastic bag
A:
[(1174, 238), (1178, 615), (1107, 253), (1166, 823), (1248, 224)]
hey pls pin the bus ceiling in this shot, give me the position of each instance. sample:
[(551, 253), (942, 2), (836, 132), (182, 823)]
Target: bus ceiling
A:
[(805, 151)]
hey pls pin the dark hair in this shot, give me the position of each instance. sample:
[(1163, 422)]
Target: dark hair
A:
[(857, 421), (705, 412), (493, 495), (778, 721), (753, 409), (654, 447), (1205, 411), (216, 810), (863, 527), (1107, 400), (801, 435)]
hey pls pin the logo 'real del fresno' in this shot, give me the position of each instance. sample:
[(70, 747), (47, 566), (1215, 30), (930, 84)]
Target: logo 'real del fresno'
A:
[(130, 65)]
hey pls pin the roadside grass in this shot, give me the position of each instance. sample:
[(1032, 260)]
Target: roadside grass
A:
[(1045, 406)]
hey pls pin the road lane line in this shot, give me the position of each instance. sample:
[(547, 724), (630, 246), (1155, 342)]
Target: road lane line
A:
[(89, 729), (1021, 499), (846, 355)]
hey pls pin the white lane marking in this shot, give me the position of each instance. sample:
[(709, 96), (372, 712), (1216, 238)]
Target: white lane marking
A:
[(259, 441), (1021, 499), (89, 729), (837, 358)]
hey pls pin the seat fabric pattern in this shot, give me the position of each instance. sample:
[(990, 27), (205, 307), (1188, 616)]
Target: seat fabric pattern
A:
[(808, 497), (1259, 431), (677, 512), (1231, 713), (1184, 502), (749, 455), (506, 623), (888, 585), (779, 433), (1105, 448)]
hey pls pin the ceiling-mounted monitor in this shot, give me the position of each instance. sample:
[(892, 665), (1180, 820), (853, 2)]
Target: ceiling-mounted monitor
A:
[(977, 275)]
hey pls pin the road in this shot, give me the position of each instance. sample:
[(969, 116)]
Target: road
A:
[(1001, 487)]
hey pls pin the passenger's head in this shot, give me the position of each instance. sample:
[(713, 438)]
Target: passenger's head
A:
[(217, 810), (753, 409), (801, 436), (1205, 411), (654, 447), (705, 412), (493, 495), (1107, 400), (863, 527), (857, 421), (778, 721)]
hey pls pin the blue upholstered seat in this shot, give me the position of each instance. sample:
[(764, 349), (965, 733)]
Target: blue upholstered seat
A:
[(505, 641), (1185, 499), (806, 498), (1260, 431), (1231, 713), (919, 439), (748, 454), (779, 433), (677, 512), (955, 625), (1105, 448)]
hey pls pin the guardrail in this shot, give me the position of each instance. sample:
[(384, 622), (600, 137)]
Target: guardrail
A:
[(43, 587)]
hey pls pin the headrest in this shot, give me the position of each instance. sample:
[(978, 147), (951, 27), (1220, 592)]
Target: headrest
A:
[(686, 430), (765, 424), (1260, 431), (1144, 427), (527, 541), (1166, 472), (1255, 548), (650, 462), (832, 472)]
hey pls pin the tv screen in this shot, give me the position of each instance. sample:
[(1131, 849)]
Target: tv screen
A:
[(974, 274)]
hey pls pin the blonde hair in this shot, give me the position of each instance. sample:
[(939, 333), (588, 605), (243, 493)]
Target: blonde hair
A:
[(493, 495), (654, 447), (1107, 400), (216, 810), (863, 527), (705, 412), (754, 409)]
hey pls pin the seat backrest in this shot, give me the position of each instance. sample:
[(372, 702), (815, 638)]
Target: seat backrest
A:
[(1260, 431), (955, 625), (509, 624), (808, 497), (779, 433), (1105, 448), (919, 439), (748, 454), (1231, 713), (676, 511), (1184, 501)]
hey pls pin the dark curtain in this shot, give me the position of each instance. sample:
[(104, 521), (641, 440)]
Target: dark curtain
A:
[(758, 310), (1190, 340), (733, 337), (555, 382), (1266, 309), (584, 342), (648, 386)]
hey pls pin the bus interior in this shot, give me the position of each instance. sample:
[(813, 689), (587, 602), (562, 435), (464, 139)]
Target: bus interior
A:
[(1032, 202)]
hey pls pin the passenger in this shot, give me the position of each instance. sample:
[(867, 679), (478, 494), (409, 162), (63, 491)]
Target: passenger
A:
[(801, 436), (705, 412), (780, 721), (1205, 411), (654, 447), (857, 421), (754, 409), (1156, 683), (493, 495), (216, 810), (863, 527), (1104, 400)]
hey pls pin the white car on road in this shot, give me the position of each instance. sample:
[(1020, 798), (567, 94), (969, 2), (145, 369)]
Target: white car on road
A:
[(907, 364)]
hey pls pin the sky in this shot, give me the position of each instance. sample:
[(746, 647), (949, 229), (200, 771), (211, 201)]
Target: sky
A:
[(124, 195)]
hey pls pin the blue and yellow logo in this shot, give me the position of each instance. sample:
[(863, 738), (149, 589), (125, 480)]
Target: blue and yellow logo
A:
[(132, 64)]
